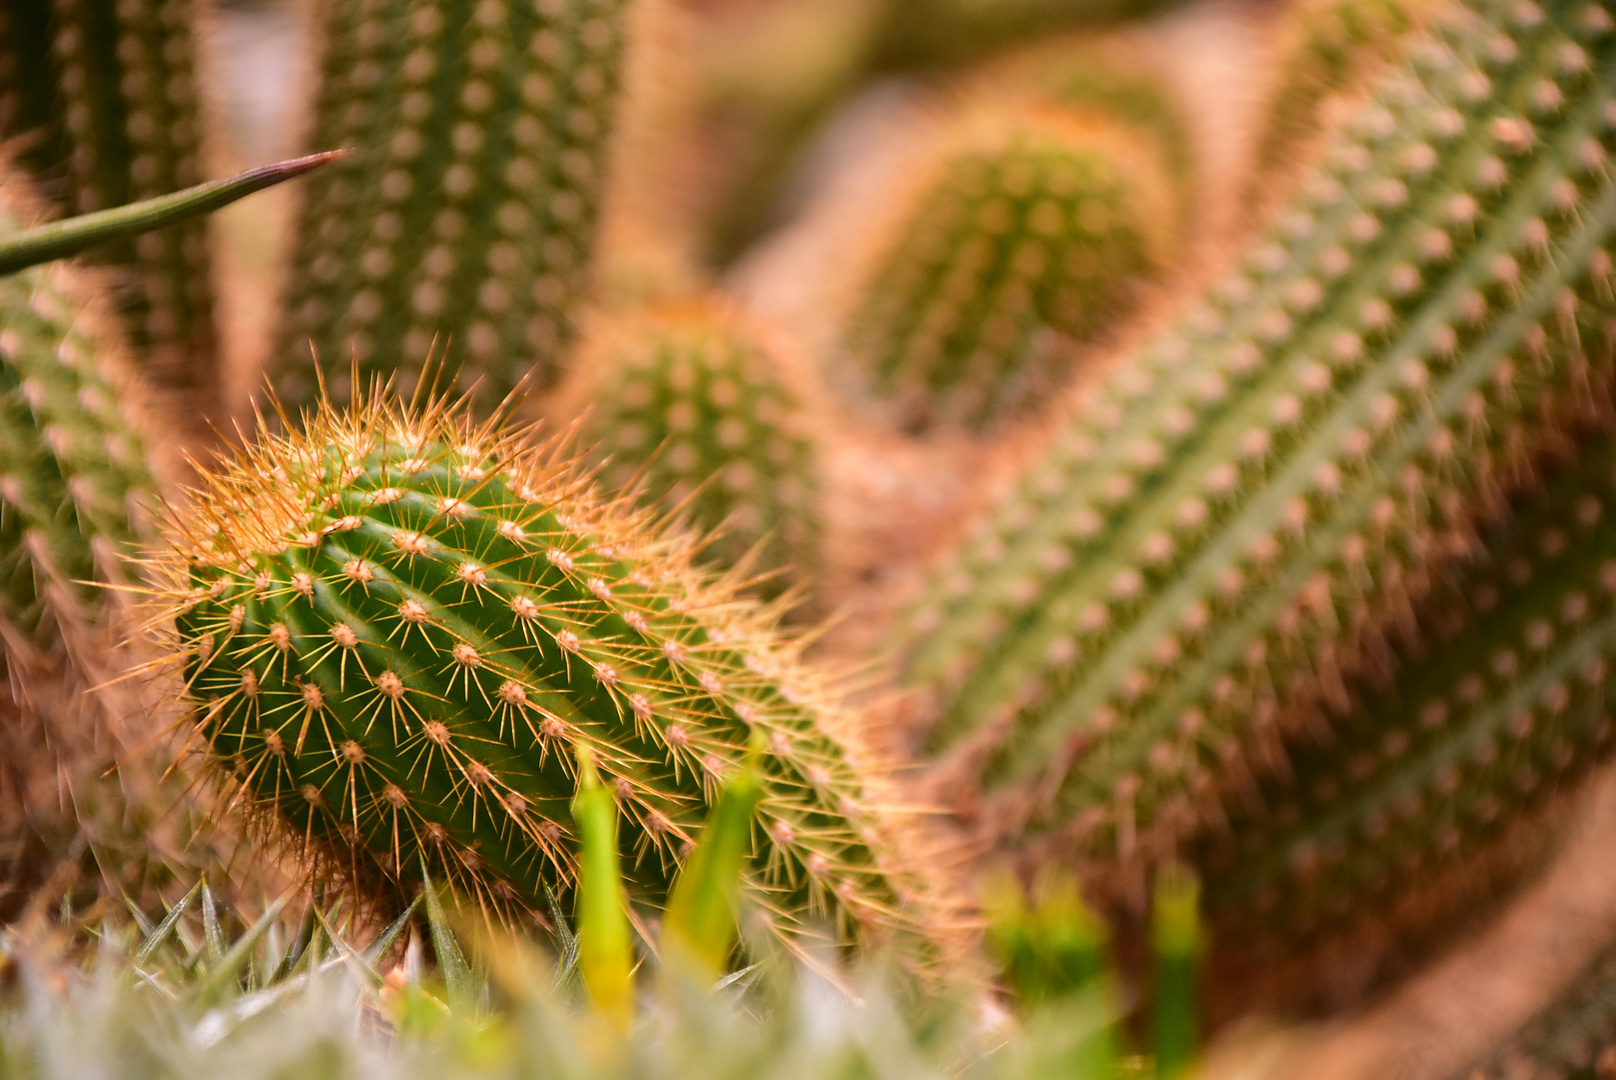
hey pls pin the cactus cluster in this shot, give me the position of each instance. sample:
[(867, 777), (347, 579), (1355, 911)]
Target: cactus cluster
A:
[(464, 220), (1229, 517), (1031, 237), (700, 411), (401, 628)]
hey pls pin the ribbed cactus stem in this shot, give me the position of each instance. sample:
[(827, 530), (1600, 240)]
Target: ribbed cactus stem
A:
[(701, 411), (1231, 511), (399, 629), (466, 215), (107, 89), (1496, 700), (1031, 236)]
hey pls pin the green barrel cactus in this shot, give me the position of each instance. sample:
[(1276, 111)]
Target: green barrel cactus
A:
[(104, 95), (465, 217), (399, 631), (1227, 518), (700, 411), (1031, 235), (1480, 708)]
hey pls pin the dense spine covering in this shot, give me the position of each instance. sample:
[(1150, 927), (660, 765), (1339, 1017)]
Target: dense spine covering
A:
[(465, 216), (73, 477), (698, 410), (400, 630), (1030, 236), (1484, 705), (106, 92), (1229, 516)]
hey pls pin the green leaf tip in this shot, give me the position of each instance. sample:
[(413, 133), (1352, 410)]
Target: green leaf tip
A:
[(704, 905), (63, 239)]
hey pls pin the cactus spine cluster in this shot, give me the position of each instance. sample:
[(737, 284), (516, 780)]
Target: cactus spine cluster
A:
[(104, 92), (697, 409), (402, 628), (466, 215), (1233, 512), (1030, 236)]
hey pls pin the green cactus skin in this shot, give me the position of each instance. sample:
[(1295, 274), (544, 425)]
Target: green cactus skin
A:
[(1227, 516), (1036, 231), (73, 476), (1484, 707), (466, 215), (697, 410), (107, 89), (400, 628)]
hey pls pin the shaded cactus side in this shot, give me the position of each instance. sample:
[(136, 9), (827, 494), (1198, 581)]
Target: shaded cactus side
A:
[(704, 413), (466, 214), (399, 630), (104, 94), (1033, 235), (1476, 711), (1227, 513)]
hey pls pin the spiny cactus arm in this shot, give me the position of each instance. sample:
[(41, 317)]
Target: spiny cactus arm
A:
[(714, 417), (63, 239), (1497, 703), (1287, 463), (115, 94), (1031, 233), (400, 629), (1574, 1035), (934, 33), (467, 213)]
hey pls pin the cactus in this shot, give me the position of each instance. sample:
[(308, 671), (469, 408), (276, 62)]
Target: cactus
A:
[(1229, 515), (1030, 235), (466, 214), (400, 628), (1475, 713), (73, 473), (1326, 48), (697, 409), (105, 90)]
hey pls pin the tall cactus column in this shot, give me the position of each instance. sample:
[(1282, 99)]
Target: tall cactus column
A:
[(1234, 512), (104, 94), (465, 216)]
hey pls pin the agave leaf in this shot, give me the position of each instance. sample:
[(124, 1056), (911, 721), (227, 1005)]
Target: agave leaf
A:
[(605, 951), (457, 977), (165, 929), (228, 966), (1176, 932), (701, 911), (62, 239)]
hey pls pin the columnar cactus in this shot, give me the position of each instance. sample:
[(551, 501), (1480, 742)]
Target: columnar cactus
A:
[(466, 214), (699, 410), (1488, 702), (104, 92), (1231, 514), (399, 629), (73, 477), (1032, 233)]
